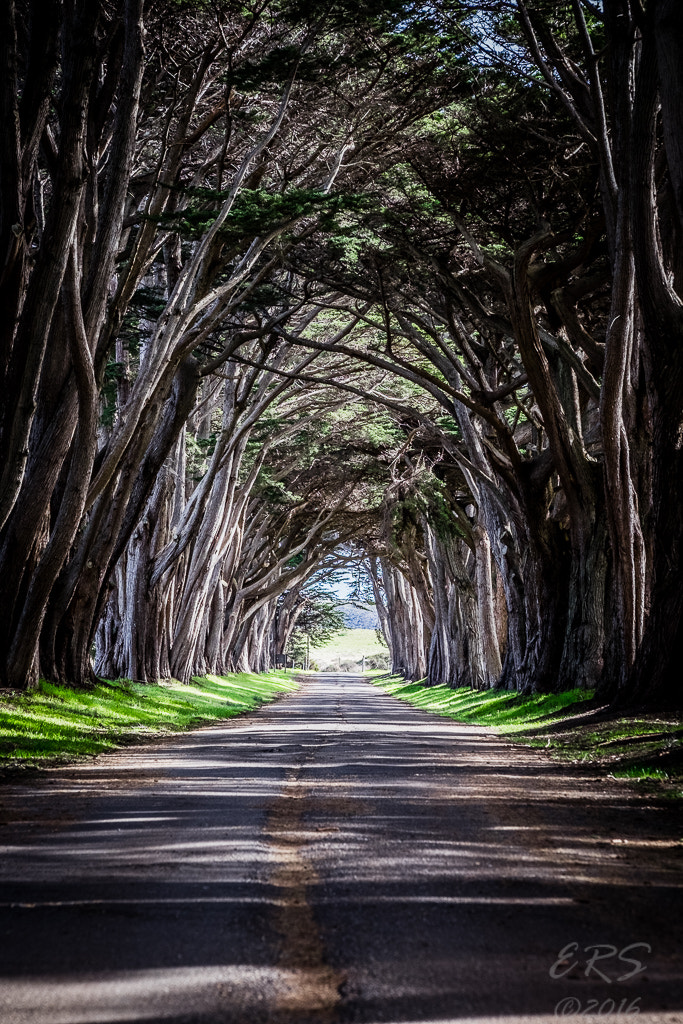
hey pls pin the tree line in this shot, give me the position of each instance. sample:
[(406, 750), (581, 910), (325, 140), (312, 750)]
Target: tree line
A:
[(290, 289)]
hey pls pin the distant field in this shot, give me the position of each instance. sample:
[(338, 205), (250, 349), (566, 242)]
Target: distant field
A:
[(348, 646)]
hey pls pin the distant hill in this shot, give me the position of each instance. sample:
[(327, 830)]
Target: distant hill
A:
[(359, 618)]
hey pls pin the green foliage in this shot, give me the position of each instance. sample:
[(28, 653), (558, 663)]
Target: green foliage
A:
[(144, 309), (55, 722), (198, 450), (148, 302), (113, 374), (275, 67), (332, 447), (258, 211), (429, 497), (317, 624), (448, 425), (270, 490)]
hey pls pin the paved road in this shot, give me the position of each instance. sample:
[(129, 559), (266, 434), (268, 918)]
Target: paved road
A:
[(335, 857)]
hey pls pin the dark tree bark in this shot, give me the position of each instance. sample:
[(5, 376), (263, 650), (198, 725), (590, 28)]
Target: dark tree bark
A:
[(37, 303), (79, 595), (655, 678)]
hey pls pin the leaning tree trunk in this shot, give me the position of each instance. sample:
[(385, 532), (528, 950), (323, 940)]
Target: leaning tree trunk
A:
[(192, 627), (38, 303), (139, 609), (80, 593)]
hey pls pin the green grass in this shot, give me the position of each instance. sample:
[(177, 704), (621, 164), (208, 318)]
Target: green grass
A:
[(504, 709), (640, 773), (350, 645), (54, 723), (569, 726)]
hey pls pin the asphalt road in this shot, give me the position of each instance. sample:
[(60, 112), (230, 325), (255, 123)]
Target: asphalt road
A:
[(336, 857)]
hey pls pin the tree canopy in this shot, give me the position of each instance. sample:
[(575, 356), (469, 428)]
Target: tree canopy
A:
[(290, 288)]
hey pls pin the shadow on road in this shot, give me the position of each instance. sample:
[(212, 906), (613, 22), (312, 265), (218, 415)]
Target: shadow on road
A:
[(336, 857)]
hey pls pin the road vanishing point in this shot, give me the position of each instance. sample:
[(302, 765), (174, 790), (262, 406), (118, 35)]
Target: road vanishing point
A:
[(337, 856)]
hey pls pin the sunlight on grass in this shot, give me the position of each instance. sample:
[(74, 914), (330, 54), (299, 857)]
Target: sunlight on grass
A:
[(501, 708), (640, 773), (57, 722), (643, 748)]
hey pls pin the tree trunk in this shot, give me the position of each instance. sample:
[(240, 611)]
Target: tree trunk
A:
[(655, 678), (80, 594), (407, 624), (485, 604)]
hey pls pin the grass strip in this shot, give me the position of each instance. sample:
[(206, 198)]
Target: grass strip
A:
[(571, 726), (54, 723)]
